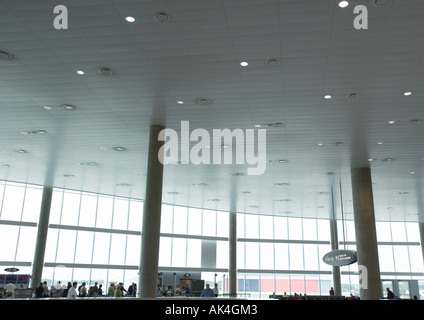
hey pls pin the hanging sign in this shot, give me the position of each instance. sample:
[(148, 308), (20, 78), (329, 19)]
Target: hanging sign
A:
[(340, 257), (11, 269)]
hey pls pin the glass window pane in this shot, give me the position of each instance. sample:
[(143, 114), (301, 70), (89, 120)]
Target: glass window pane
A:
[(12, 203), (104, 212), (252, 226), (267, 256), (51, 245), (166, 220), (398, 232), (116, 276), (88, 210), (120, 214), (66, 246), (416, 257), (133, 250), (180, 220), (310, 252), (56, 206), (401, 259), (117, 249), (194, 253), (101, 248), (82, 275), (323, 249), (179, 251), (413, 232), (209, 222), (222, 254), (240, 255), (252, 255), (32, 204), (9, 234), (295, 228), (384, 233), (223, 224), (84, 247), (296, 256), (165, 251), (136, 215), (280, 228), (240, 225), (281, 256), (323, 230), (26, 246), (70, 209), (194, 221), (266, 229), (385, 258), (309, 229)]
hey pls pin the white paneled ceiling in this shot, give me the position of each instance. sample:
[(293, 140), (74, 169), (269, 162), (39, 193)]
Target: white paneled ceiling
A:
[(197, 55)]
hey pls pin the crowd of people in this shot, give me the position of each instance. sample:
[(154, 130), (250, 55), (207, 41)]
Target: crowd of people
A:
[(72, 290)]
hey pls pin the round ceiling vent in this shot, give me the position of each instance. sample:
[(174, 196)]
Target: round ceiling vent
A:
[(162, 16), (203, 101), (275, 124), (68, 107), (104, 71), (381, 3), (353, 96), (273, 62), (5, 55)]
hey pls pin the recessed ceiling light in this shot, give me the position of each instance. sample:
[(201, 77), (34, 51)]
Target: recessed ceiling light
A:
[(180, 102), (391, 121), (119, 148), (214, 200), (6, 166), (275, 124), (244, 63), (258, 125), (379, 142), (339, 144), (80, 72), (412, 172), (281, 184), (162, 16), (33, 132), (371, 159), (47, 107), (93, 164), (123, 185), (173, 193), (320, 144), (343, 4), (388, 159), (283, 161), (415, 121), (68, 175), (327, 96), (130, 19), (6, 55), (408, 93), (21, 151), (238, 174)]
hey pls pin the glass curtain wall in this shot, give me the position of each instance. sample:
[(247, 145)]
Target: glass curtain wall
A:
[(96, 238)]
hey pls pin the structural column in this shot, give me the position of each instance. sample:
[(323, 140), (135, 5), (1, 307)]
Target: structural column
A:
[(421, 226), (366, 237), (337, 286), (232, 274), (151, 217), (40, 245)]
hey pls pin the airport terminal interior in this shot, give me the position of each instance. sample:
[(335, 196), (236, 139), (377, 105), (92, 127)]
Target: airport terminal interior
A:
[(271, 147)]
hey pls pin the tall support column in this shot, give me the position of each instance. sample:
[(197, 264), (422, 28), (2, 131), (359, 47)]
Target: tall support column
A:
[(149, 256), (232, 274), (366, 236), (337, 286), (40, 245)]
